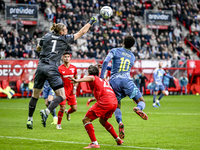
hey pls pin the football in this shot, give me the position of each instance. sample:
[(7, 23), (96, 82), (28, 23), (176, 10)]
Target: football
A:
[(106, 12), (166, 93)]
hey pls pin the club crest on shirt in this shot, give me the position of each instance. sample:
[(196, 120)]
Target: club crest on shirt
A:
[(72, 70)]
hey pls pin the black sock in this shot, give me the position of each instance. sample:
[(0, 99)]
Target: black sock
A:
[(56, 101), (53, 112), (32, 105)]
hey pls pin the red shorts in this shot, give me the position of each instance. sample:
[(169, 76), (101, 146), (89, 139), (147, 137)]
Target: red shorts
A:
[(101, 111), (71, 100)]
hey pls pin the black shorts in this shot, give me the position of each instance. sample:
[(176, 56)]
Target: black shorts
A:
[(50, 73)]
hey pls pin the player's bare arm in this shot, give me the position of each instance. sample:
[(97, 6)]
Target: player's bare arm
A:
[(39, 48), (85, 79), (75, 86), (84, 29)]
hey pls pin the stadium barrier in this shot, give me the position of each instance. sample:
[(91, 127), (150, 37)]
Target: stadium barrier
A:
[(16, 71)]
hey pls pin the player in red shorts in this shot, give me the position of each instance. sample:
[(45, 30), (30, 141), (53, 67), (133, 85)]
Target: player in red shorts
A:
[(104, 107), (67, 70)]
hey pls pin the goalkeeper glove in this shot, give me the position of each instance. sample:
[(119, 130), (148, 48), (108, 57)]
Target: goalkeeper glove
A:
[(92, 20)]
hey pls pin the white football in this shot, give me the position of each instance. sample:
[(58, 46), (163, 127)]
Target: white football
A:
[(166, 93), (106, 12)]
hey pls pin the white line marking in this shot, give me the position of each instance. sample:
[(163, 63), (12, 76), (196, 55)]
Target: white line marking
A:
[(82, 110), (71, 142)]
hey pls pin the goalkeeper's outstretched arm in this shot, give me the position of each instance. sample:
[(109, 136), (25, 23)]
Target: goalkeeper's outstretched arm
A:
[(84, 29)]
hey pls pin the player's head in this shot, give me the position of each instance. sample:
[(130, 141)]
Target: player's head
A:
[(129, 41), (160, 64), (59, 28), (92, 70), (66, 57)]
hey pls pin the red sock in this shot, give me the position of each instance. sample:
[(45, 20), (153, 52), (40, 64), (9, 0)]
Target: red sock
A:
[(90, 130), (110, 129), (70, 111), (60, 116)]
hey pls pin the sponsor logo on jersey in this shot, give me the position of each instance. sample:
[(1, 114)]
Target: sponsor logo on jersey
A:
[(67, 76)]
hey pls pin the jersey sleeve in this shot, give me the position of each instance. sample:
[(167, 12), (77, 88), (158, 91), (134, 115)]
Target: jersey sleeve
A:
[(68, 38), (106, 61)]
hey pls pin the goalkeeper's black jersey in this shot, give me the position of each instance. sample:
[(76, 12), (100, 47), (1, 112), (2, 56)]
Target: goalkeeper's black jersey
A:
[(53, 47)]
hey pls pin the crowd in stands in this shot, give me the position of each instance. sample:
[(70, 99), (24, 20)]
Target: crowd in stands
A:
[(107, 33)]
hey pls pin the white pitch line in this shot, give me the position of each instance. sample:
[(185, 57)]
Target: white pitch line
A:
[(71, 142), (158, 113)]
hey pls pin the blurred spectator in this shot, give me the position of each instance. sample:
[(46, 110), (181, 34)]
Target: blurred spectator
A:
[(33, 53), (179, 48), (183, 83), (177, 33), (24, 87), (49, 13), (195, 43), (19, 25), (2, 53), (28, 47), (142, 81), (2, 6), (2, 40), (30, 87), (187, 55)]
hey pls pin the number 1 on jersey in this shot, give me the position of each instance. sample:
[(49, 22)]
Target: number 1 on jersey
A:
[(123, 63), (54, 45)]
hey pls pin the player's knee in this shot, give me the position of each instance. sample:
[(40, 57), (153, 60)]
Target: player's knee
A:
[(62, 108), (84, 120), (63, 96), (74, 108), (102, 122)]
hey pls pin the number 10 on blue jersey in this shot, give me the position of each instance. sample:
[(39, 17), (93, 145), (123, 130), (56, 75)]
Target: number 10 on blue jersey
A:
[(123, 66)]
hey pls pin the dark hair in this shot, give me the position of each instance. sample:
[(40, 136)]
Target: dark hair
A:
[(92, 70), (129, 41), (66, 53)]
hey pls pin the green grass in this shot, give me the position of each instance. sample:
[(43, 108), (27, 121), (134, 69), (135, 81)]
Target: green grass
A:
[(174, 125)]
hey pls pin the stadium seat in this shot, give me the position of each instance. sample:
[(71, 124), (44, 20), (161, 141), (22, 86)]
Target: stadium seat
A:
[(18, 83), (4, 84)]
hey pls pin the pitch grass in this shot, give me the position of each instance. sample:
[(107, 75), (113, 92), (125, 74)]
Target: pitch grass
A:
[(175, 125)]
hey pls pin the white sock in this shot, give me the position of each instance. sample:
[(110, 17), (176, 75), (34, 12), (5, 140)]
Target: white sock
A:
[(30, 118), (157, 101), (117, 139), (154, 104), (58, 125), (47, 111), (95, 143)]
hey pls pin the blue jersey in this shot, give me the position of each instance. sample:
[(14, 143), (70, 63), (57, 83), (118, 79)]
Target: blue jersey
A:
[(46, 84), (121, 81), (158, 76), (122, 61), (183, 81)]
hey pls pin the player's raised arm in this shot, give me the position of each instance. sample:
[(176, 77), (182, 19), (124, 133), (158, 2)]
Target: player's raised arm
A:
[(84, 29), (105, 63)]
